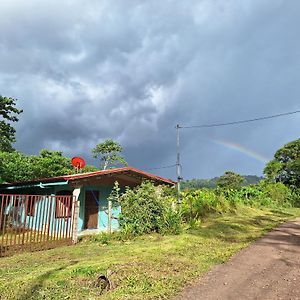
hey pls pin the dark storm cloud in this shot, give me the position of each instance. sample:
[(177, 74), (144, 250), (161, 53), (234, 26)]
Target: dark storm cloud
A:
[(85, 71)]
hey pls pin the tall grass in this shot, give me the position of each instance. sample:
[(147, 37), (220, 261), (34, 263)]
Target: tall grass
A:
[(149, 208), (197, 204)]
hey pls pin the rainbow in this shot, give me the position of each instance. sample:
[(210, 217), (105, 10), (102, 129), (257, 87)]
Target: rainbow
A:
[(237, 147)]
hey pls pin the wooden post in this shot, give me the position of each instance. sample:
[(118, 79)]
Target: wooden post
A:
[(75, 214), (109, 215), (174, 205)]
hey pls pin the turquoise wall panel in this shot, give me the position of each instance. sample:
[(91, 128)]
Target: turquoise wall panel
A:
[(81, 199), (42, 214), (43, 218), (104, 192)]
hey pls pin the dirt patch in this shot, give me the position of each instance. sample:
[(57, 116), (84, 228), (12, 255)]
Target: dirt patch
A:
[(268, 269)]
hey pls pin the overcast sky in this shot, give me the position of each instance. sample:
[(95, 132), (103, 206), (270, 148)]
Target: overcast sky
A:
[(88, 70)]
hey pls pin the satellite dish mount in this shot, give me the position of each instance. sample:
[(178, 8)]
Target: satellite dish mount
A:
[(78, 163)]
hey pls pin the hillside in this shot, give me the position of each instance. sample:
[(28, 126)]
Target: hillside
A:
[(212, 183)]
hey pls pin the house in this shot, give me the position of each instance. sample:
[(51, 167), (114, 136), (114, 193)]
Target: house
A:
[(52, 204)]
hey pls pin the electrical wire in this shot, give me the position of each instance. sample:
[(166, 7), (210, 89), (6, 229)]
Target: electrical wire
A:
[(223, 124), (239, 122), (158, 168)]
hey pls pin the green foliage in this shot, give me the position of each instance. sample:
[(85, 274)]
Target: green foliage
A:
[(197, 204), (51, 163), (285, 167), (15, 166), (278, 194), (109, 152), (148, 267), (230, 180), (8, 113), (170, 223), (212, 183), (146, 209), (263, 194), (114, 196), (89, 168), (296, 197), (249, 195), (251, 179), (102, 238), (199, 184), (106, 238)]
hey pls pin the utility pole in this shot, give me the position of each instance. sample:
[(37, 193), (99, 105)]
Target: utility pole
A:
[(178, 165)]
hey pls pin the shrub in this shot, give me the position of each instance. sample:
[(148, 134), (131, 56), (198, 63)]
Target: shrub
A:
[(102, 238), (263, 194), (146, 209), (250, 195), (170, 223), (296, 197), (197, 204), (278, 193)]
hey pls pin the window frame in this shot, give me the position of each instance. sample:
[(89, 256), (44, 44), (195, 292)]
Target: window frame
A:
[(30, 209), (63, 204)]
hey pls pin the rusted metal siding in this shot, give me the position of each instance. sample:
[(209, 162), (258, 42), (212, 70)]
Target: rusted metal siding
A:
[(35, 222)]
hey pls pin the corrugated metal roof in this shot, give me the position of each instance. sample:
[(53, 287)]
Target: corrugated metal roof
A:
[(94, 174)]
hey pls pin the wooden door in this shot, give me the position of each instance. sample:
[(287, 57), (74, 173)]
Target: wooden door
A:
[(91, 209)]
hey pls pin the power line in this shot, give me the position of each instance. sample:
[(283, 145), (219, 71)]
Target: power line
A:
[(219, 125), (158, 168), (164, 167), (178, 127), (239, 122)]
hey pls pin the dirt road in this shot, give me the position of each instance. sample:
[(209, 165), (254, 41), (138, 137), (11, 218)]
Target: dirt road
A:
[(268, 269)]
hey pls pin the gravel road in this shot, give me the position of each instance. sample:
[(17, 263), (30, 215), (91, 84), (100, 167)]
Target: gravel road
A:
[(268, 269)]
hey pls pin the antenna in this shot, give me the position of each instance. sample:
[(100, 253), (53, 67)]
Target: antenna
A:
[(78, 163)]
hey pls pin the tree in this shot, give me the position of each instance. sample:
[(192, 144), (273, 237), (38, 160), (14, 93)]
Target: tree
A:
[(230, 180), (16, 166), (285, 167), (109, 152), (50, 163), (9, 113), (195, 184)]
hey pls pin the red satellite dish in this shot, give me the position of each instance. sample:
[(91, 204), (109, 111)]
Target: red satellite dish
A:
[(78, 162)]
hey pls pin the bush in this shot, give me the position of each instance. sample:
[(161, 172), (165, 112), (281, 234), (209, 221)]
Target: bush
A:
[(278, 194), (147, 209), (170, 222), (102, 238), (197, 204), (250, 196), (263, 194), (296, 197)]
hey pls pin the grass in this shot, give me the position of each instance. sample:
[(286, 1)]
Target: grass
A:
[(148, 267)]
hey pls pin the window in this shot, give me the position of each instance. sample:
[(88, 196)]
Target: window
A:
[(30, 205), (63, 204)]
